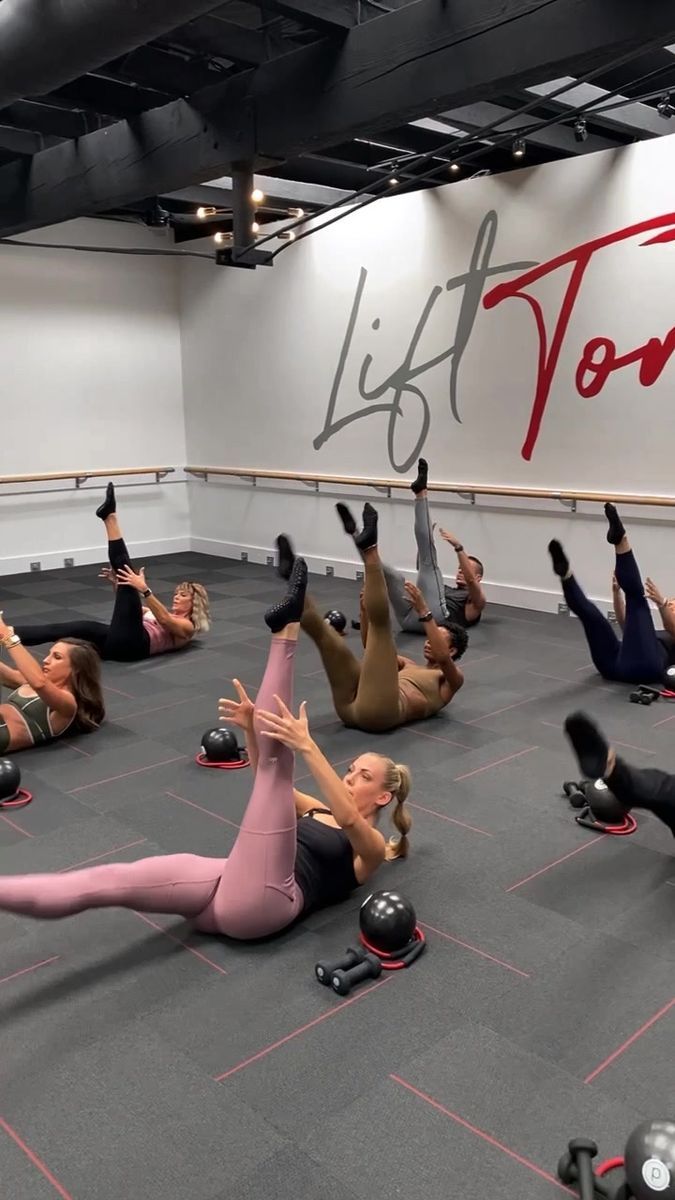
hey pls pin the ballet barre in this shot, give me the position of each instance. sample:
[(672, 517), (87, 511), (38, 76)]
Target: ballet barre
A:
[(80, 477), (466, 491)]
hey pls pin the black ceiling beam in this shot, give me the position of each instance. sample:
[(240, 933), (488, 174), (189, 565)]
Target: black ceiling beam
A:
[(424, 57), (23, 141), (43, 46), (174, 73), (326, 16), (213, 37), (44, 118)]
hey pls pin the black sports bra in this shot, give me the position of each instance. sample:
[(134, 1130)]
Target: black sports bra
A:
[(324, 862)]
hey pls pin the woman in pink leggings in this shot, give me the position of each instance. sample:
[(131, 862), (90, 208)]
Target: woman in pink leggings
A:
[(291, 854)]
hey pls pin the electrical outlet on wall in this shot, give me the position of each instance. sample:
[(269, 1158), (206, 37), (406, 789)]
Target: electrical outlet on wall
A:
[(563, 610), (270, 560), (36, 566), (330, 571), (244, 556), (359, 576), (69, 562)]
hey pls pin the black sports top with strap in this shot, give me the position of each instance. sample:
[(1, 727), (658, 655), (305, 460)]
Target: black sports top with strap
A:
[(456, 600), (324, 862)]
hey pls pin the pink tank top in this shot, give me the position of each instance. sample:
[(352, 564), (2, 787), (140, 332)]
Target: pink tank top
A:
[(160, 639)]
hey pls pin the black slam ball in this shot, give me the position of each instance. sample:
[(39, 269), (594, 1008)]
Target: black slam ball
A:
[(10, 779), (650, 1161), (220, 745), (337, 619), (387, 921), (603, 804)]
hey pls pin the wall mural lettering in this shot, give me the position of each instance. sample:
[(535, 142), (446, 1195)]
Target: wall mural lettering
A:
[(400, 393)]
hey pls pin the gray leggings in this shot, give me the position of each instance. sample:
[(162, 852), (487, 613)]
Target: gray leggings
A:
[(429, 578)]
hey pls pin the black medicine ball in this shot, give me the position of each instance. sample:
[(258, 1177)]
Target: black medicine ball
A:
[(10, 779), (650, 1161), (337, 619), (220, 745), (387, 921), (603, 804)]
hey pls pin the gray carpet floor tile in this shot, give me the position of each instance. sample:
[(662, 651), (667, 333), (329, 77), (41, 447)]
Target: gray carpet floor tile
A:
[(542, 1008)]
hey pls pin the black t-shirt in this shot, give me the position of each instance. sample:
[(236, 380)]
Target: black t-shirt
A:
[(324, 863), (456, 600)]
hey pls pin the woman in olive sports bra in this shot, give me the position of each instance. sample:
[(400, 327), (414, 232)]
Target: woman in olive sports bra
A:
[(62, 696), (382, 690)]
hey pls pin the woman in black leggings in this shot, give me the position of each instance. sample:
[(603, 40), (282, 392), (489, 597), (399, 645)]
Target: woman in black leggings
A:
[(135, 631), (634, 787), (639, 657)]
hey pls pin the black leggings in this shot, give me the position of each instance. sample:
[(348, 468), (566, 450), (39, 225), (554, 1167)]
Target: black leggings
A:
[(639, 657), (123, 640), (645, 787)]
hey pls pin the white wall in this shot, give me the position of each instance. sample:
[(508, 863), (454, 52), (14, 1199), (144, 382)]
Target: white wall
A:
[(261, 350), (91, 378)]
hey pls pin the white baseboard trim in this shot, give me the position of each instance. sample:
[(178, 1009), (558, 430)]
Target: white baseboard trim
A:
[(512, 595), (54, 560)]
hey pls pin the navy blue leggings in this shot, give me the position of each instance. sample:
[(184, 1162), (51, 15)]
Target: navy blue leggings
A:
[(639, 657)]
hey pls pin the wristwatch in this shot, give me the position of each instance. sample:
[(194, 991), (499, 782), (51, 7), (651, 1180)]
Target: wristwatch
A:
[(427, 616), (13, 640), (458, 549), (146, 593)]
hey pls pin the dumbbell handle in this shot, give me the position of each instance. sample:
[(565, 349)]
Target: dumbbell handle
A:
[(582, 1153), (369, 968), (324, 971)]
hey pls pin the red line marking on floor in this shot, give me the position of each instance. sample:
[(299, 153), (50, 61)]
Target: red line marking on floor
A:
[(36, 1161), (127, 695), (302, 1029), (544, 675), (260, 649), (160, 708), (453, 820), (435, 737), (497, 763), (486, 1137), (77, 749), (26, 970), (200, 807), (15, 826), (629, 1041), (663, 722), (506, 708), (124, 774), (555, 863), (106, 854), (484, 658), (613, 741), (475, 950), (172, 937)]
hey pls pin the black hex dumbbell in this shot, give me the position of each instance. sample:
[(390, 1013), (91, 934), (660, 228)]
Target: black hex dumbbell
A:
[(577, 1166), (343, 981), (324, 971), (575, 793)]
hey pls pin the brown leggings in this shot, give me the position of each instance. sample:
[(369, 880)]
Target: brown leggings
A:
[(365, 691)]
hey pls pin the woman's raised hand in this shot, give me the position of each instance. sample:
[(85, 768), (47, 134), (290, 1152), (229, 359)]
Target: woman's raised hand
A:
[(292, 731), (239, 712)]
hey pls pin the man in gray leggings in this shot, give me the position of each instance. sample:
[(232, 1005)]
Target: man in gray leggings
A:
[(444, 607)]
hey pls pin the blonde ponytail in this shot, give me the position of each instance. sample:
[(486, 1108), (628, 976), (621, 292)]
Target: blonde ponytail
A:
[(398, 781)]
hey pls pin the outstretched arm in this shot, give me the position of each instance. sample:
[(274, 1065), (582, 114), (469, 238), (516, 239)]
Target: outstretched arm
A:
[(10, 677), (666, 607), (29, 671), (180, 627), (477, 597), (367, 843), (439, 646), (240, 712)]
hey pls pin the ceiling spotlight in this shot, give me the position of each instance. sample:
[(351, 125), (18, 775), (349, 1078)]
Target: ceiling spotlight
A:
[(206, 210), (518, 148), (221, 237), (255, 227), (287, 235), (393, 182), (580, 130), (257, 196), (296, 212), (454, 166), (665, 107)]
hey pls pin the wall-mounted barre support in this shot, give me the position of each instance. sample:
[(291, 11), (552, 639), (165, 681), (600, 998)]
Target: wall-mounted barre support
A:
[(568, 502), (310, 483), (470, 496)]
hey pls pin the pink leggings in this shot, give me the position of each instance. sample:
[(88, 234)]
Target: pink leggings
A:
[(251, 894)]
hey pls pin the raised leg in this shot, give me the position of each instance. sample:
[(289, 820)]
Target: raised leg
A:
[(342, 667), (642, 658), (429, 578), (89, 631), (376, 706), (405, 614), (127, 640), (603, 644)]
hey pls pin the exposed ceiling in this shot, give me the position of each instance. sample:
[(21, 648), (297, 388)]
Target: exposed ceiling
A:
[(320, 97)]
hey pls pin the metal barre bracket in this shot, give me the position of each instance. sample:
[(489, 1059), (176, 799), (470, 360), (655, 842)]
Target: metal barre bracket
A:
[(310, 483), (80, 479), (252, 479), (378, 487), (567, 503), (160, 475), (470, 496)]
